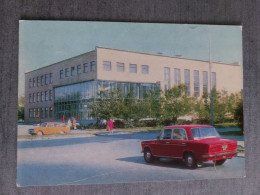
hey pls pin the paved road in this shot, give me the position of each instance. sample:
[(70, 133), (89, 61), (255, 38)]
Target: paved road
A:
[(106, 159)]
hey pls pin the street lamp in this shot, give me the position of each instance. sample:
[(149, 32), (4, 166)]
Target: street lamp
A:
[(210, 80)]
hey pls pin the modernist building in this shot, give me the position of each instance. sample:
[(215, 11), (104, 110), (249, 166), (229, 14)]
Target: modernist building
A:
[(65, 88)]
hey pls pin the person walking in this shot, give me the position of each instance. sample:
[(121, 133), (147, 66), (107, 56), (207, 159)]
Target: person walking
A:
[(74, 124), (110, 126), (69, 123)]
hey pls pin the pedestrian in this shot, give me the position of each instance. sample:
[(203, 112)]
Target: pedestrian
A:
[(110, 126), (74, 123), (69, 123)]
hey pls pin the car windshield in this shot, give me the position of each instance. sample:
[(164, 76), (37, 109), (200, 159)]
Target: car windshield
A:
[(205, 132), (43, 124)]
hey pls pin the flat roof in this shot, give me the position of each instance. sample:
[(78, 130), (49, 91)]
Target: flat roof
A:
[(130, 52), (167, 56)]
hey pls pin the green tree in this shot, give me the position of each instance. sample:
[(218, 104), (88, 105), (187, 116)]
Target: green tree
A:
[(21, 108), (176, 103), (238, 114)]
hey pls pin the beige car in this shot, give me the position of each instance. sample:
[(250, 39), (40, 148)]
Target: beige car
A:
[(50, 128)]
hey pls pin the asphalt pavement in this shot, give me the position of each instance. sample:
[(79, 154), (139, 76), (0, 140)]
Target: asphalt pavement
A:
[(106, 159)]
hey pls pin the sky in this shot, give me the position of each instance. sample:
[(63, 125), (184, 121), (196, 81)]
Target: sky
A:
[(42, 43)]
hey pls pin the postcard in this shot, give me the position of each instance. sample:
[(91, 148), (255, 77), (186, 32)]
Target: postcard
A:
[(120, 102)]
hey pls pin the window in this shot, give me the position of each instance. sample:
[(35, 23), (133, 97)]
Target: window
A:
[(46, 79), (38, 81), (187, 81), (34, 112), (167, 79), (66, 72), (179, 134), (205, 81), (33, 82), (133, 68), (107, 66), (196, 83), (46, 112), (30, 83), (86, 67), (50, 95), (50, 112), (72, 71), (61, 74), (177, 76), (34, 97), (92, 66), (167, 134), (30, 98), (145, 69), (38, 96), (79, 69), (42, 80), (42, 96), (214, 80), (46, 95), (120, 67), (51, 78)]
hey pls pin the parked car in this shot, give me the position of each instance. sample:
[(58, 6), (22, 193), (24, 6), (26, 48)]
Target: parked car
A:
[(50, 128), (191, 143)]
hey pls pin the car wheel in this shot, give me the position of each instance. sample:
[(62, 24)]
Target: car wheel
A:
[(148, 156), (62, 132), (39, 133), (220, 162), (190, 161)]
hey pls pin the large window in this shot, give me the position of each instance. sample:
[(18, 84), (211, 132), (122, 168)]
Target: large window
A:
[(42, 79), (51, 78), (72, 100), (33, 82), (79, 69), (214, 80), (92, 66), (46, 79), (205, 81), (177, 76), (145, 69), (72, 71), (41, 112), (187, 80), (61, 74), (196, 83), (167, 78), (120, 67), (107, 66), (133, 68), (86, 67), (66, 72)]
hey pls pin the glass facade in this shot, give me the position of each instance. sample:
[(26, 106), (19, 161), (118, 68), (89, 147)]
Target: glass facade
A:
[(71, 100), (167, 78), (196, 83), (177, 76)]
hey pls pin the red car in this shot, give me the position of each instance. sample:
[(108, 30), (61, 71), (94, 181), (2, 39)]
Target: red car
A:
[(191, 143)]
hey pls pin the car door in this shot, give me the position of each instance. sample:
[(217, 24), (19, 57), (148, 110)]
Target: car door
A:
[(178, 143), (163, 143)]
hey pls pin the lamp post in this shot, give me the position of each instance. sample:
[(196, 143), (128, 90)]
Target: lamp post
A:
[(210, 74)]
